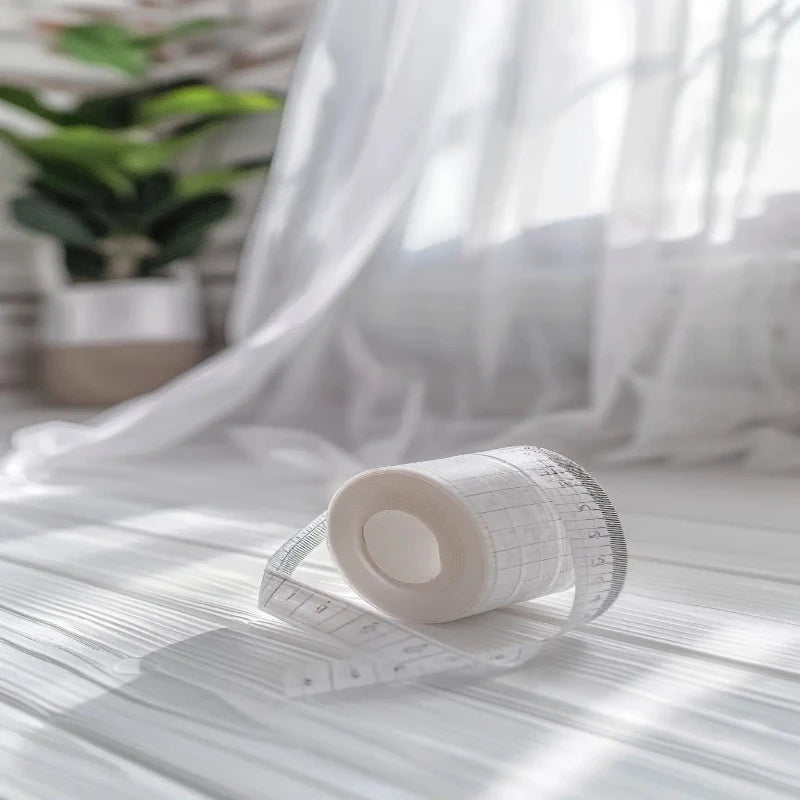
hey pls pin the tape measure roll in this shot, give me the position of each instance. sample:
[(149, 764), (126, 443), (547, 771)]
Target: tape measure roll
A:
[(442, 540)]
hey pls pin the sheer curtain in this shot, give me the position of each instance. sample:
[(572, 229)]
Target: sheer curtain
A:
[(496, 221)]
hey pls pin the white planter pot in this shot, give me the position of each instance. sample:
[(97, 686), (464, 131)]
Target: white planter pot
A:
[(109, 341)]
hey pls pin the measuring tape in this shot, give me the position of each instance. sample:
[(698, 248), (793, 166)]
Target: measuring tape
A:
[(442, 540)]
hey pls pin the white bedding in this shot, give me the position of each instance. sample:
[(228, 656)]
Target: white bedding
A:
[(134, 664)]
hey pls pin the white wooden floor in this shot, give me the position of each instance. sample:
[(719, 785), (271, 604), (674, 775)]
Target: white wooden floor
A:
[(133, 663)]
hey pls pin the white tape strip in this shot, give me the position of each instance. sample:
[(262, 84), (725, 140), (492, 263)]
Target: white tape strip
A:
[(509, 525)]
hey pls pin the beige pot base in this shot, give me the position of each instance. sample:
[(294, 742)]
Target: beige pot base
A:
[(102, 374)]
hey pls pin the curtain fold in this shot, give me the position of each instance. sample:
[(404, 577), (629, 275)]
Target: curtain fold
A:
[(494, 221)]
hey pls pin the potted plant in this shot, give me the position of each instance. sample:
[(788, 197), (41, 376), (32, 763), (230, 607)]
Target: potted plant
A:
[(123, 313)]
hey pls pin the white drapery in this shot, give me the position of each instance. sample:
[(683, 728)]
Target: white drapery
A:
[(497, 221)]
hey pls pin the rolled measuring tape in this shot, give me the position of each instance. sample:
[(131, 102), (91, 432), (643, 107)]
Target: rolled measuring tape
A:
[(441, 540)]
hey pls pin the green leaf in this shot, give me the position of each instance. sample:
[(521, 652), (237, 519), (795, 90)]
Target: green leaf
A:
[(121, 109), (60, 147), (184, 30), (154, 190), (107, 155), (73, 182), (115, 179), (107, 45), (82, 142), (84, 264), (141, 158), (42, 214), (108, 111), (22, 98), (191, 216), (94, 215), (182, 247), (208, 100), (156, 198), (100, 220), (216, 180)]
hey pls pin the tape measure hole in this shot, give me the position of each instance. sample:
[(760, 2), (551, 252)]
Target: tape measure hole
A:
[(402, 546)]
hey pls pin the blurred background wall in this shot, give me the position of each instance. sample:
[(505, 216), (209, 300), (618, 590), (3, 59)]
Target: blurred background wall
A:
[(258, 54)]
